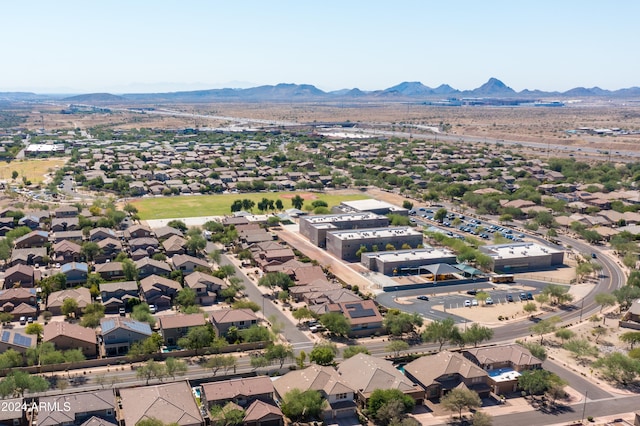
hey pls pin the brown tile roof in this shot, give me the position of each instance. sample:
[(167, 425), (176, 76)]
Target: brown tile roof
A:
[(514, 353), (315, 377), (80, 295), (181, 320), (231, 389), (232, 315), (360, 312), (261, 411), (74, 331), (171, 402), (367, 373), (427, 369)]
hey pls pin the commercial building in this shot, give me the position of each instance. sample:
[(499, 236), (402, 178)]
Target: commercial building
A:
[(406, 261), (315, 228), (522, 256), (371, 206), (345, 244)]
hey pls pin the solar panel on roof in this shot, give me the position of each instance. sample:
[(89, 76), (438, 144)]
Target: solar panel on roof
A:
[(5, 336), (20, 340), (357, 311)]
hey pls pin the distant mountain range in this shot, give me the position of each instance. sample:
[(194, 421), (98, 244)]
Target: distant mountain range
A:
[(409, 91)]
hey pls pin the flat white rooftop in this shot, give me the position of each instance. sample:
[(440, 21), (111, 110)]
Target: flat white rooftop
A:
[(346, 217), (364, 205), (516, 250), (374, 233), (406, 255)]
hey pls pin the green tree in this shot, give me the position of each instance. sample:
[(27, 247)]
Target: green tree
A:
[(625, 296), (150, 370), (323, 354), (302, 406), (631, 338), (441, 331), (536, 382), (92, 314), (399, 323), (216, 362), (19, 382), (476, 334), (440, 215), (558, 294), (336, 323), (129, 270), (618, 367), (480, 418), (69, 307), (353, 350), (458, 399), (73, 355), (302, 313), (256, 333), (186, 297), (197, 338), (536, 349), (380, 397), (279, 353), (580, 348), (35, 328), (529, 307), (90, 250), (397, 346), (545, 326), (272, 280), (605, 300), (565, 334), (142, 313), (297, 202), (10, 359), (246, 304)]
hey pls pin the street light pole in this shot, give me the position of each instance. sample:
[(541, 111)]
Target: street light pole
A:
[(581, 308), (584, 407)]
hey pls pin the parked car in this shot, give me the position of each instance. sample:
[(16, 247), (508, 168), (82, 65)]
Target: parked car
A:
[(30, 320), (467, 303), (152, 309), (474, 302), (426, 298), (122, 312), (23, 320), (472, 292), (523, 296), (489, 301), (529, 296), (509, 298)]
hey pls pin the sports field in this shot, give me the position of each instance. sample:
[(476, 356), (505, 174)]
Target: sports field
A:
[(33, 170), (220, 205)]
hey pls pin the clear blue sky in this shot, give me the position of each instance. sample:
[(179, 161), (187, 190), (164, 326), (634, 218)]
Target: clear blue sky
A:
[(139, 46)]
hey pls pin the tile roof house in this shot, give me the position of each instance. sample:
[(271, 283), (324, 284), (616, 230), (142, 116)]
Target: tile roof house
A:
[(363, 316), (16, 340), (366, 373), (66, 252), (110, 248), (114, 295), (59, 224), (239, 391), (138, 231), (24, 275), (187, 264), (118, 334), (165, 232), (66, 211), (326, 380), (57, 298), (32, 239), (174, 327), (174, 245), (147, 266), (76, 408), (110, 270), (28, 256), (206, 287), (438, 374), (261, 413), (76, 272), (159, 291), (99, 234), (65, 335), (18, 297), (224, 319), (171, 402)]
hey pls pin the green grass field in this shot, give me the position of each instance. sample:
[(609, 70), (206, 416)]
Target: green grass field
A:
[(220, 205)]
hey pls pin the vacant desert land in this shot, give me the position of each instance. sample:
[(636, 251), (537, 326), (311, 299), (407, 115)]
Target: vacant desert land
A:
[(33, 170), (220, 205)]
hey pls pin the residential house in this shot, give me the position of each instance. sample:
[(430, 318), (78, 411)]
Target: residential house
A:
[(57, 298), (242, 391), (206, 287), (224, 319), (172, 402), (366, 373), (138, 231), (65, 211), (75, 272), (61, 224), (75, 236), (114, 295), (159, 291), (174, 327), (13, 417), (20, 276), (65, 335), (147, 266), (504, 364), (165, 232), (76, 408), (66, 252), (109, 249), (19, 302), (29, 256), (261, 413), (119, 333), (99, 234), (326, 380), (16, 340), (146, 245), (32, 239), (30, 221), (110, 271), (363, 316), (187, 264), (438, 374), (174, 245)]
